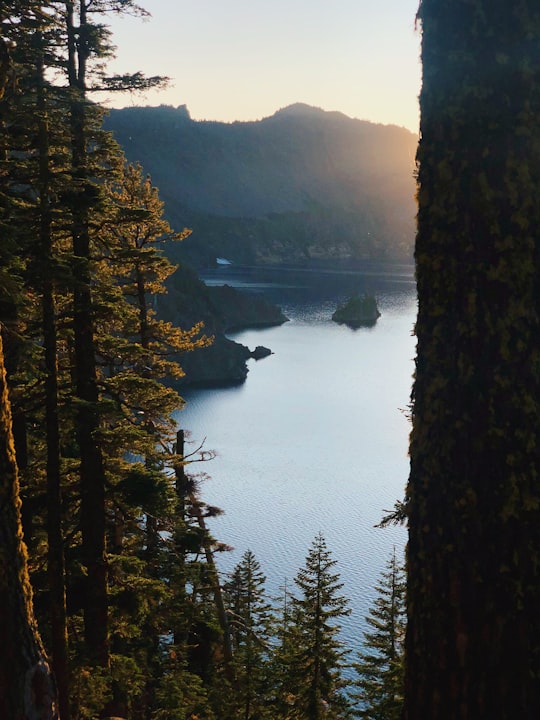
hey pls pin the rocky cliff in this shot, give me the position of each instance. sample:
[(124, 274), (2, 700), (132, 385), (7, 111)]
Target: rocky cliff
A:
[(221, 309)]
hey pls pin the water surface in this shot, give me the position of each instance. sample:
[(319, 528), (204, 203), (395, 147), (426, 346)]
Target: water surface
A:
[(316, 439)]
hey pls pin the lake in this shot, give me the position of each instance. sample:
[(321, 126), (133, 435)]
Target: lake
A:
[(316, 439)]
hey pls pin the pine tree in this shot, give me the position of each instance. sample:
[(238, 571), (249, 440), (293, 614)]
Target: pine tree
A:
[(249, 615), (137, 349), (87, 43), (282, 688), (80, 253), (317, 657), (380, 665), (473, 500), (31, 169)]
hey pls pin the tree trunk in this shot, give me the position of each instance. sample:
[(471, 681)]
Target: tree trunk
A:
[(92, 472), (55, 542), (473, 639), (213, 577), (182, 486), (184, 490), (27, 690)]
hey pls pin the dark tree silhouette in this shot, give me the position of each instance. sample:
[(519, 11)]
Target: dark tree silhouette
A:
[(473, 640), (27, 689)]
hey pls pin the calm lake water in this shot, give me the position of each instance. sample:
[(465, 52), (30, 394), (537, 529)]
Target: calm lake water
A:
[(316, 438)]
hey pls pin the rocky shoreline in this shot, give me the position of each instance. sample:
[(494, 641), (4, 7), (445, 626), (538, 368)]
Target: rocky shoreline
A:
[(222, 309)]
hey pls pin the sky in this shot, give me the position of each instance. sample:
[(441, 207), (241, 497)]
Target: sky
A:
[(245, 59)]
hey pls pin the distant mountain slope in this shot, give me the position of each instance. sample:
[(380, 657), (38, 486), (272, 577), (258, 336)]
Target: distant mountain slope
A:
[(303, 184)]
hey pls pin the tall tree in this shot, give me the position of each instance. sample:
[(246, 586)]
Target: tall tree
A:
[(30, 183), (46, 260), (249, 616), (380, 664), (87, 44), (473, 638), (317, 656)]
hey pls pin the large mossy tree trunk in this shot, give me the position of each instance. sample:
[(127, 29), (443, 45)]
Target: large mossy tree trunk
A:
[(473, 641), (27, 691)]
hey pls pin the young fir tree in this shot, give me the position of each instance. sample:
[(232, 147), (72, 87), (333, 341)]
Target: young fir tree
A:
[(380, 664), (249, 616), (473, 631), (281, 686), (315, 656)]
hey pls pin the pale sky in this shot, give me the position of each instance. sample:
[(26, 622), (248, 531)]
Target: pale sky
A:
[(244, 59)]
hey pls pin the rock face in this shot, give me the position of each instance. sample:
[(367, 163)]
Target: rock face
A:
[(358, 312), (221, 364), (299, 186), (240, 310), (260, 352)]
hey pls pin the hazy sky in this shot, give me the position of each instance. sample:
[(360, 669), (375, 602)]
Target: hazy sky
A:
[(244, 59)]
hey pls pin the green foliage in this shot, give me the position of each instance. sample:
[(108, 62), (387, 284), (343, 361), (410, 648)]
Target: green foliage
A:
[(90, 690), (249, 619), (180, 695), (312, 655), (380, 665)]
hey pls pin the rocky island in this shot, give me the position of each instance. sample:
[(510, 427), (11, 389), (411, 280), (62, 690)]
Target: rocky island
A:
[(358, 311)]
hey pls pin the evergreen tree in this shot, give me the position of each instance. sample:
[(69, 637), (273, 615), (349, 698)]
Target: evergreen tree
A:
[(249, 615), (87, 43), (473, 632), (137, 349), (316, 657), (26, 687), (81, 266), (282, 685), (380, 666)]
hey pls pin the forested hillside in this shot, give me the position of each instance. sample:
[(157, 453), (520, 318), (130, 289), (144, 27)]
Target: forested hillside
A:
[(300, 185), (112, 605)]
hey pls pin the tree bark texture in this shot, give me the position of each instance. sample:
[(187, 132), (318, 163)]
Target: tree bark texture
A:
[(27, 690), (473, 640)]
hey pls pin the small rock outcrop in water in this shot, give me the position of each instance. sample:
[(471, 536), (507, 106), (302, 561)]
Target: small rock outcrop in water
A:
[(358, 311), (260, 352)]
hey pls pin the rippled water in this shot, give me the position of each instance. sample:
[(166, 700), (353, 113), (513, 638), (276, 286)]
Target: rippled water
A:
[(316, 439)]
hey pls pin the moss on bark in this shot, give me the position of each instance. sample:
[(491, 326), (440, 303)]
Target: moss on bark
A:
[(473, 643)]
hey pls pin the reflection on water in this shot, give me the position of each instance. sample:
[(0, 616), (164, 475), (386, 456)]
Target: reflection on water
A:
[(316, 439), (291, 286)]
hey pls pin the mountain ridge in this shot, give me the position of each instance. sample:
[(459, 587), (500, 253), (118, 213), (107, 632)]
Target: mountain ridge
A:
[(298, 185)]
